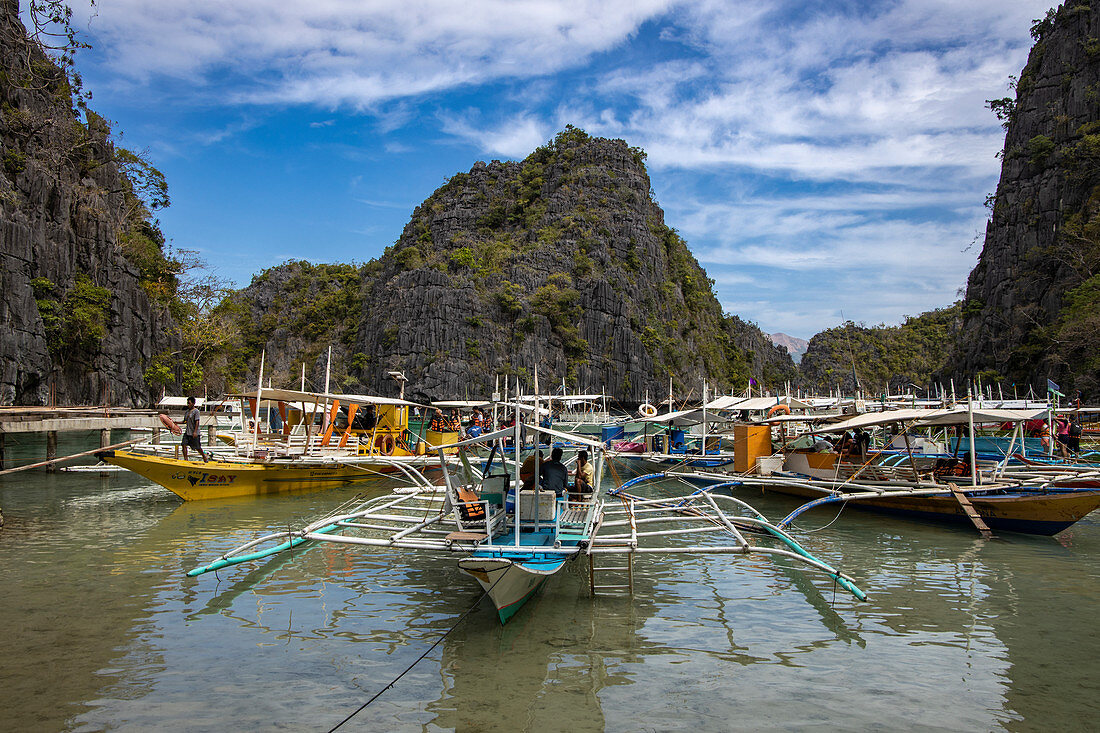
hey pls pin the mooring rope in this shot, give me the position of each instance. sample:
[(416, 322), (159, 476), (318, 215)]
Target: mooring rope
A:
[(427, 651)]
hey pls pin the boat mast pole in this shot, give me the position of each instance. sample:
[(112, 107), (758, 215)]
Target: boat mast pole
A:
[(538, 442), (259, 392), (328, 368), (970, 422), (515, 455), (496, 399), (704, 416)]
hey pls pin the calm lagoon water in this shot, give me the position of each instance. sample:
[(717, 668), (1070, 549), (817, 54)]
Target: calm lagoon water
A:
[(103, 630)]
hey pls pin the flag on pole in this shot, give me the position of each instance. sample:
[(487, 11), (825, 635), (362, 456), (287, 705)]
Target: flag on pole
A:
[(1054, 388)]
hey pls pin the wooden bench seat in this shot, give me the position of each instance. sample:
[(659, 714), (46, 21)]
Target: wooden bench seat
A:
[(466, 537)]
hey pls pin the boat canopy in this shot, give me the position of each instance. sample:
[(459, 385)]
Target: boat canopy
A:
[(680, 417), (509, 432), (294, 395), (177, 401), (756, 403), (923, 418), (562, 397), (963, 416), (880, 418), (461, 404)]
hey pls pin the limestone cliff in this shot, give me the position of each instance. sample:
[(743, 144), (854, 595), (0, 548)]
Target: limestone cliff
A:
[(561, 261), (78, 326), (1032, 307)]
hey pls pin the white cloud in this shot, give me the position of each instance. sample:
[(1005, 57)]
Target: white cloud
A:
[(347, 52), (513, 138)]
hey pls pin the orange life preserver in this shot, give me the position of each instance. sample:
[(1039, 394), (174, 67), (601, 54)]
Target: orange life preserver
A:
[(785, 409), (385, 444), (470, 507), (171, 424), (1044, 435)]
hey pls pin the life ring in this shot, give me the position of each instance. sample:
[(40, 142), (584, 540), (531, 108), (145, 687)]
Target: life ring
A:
[(171, 424), (647, 410), (786, 410), (385, 444)]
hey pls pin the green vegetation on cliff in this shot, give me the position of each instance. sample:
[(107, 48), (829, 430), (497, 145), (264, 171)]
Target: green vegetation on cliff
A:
[(881, 357)]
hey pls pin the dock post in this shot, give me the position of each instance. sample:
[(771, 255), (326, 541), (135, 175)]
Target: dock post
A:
[(156, 436), (104, 441), (1, 451), (211, 435), (51, 450)]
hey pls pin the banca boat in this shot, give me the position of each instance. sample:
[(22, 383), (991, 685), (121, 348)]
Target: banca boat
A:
[(512, 544), (360, 437)]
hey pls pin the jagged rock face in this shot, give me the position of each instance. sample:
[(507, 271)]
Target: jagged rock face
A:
[(1037, 246), (60, 209), (561, 262)]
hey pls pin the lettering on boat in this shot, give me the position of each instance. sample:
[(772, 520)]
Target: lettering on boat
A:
[(201, 478)]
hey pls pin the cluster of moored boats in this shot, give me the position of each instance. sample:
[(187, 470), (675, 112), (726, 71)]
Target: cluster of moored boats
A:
[(471, 488)]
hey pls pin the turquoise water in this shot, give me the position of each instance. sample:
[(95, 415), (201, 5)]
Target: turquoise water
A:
[(103, 630)]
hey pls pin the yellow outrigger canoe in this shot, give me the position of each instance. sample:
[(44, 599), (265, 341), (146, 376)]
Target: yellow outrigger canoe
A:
[(218, 479), (344, 451)]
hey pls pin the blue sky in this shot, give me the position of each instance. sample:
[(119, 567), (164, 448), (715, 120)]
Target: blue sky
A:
[(824, 161)]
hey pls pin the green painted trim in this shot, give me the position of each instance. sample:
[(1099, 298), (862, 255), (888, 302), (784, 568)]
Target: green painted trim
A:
[(227, 561)]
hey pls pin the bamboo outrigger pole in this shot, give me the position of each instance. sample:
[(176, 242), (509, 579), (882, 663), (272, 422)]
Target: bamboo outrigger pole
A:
[(68, 458)]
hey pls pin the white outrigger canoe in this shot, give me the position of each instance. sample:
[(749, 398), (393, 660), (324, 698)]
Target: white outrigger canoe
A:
[(511, 545)]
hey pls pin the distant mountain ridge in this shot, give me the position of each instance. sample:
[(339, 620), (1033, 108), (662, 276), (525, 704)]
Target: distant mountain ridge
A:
[(795, 346), (881, 358)]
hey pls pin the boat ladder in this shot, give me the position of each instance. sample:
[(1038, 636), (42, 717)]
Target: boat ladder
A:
[(627, 568), (971, 512)]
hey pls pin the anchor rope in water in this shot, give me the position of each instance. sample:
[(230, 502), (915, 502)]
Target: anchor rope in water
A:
[(426, 652)]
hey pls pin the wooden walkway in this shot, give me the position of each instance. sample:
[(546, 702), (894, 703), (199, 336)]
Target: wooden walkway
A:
[(52, 420)]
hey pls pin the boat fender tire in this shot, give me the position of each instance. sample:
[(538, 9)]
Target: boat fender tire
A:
[(170, 424), (647, 410)]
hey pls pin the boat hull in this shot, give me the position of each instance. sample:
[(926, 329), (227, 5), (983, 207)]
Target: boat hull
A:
[(1042, 513), (195, 481), (1038, 511), (510, 582)]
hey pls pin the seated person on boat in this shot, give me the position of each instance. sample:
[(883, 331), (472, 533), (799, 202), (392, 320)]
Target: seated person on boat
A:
[(554, 475)]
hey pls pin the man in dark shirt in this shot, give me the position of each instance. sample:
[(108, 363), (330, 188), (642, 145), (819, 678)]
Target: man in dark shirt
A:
[(191, 430), (555, 477)]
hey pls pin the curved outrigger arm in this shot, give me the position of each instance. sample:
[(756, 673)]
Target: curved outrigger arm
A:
[(703, 505)]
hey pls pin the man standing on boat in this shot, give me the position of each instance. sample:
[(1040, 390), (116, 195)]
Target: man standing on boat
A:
[(191, 430)]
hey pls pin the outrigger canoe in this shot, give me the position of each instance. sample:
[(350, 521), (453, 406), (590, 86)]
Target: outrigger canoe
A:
[(512, 545), (194, 480)]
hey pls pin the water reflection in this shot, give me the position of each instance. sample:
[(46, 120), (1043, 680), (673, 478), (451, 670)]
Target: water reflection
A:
[(104, 631)]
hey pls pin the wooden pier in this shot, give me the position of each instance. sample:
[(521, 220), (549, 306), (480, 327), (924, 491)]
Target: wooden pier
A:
[(53, 420)]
